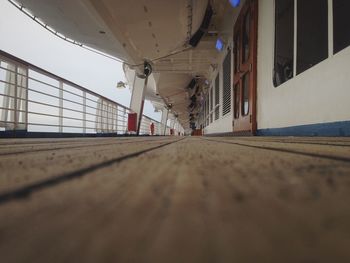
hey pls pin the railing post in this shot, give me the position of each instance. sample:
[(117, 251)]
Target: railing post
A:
[(84, 112), (60, 113), (116, 119), (26, 100), (142, 106), (15, 110), (166, 122)]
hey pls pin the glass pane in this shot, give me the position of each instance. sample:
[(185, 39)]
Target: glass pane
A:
[(237, 100), (246, 37), (246, 93), (284, 41), (312, 45), (341, 18)]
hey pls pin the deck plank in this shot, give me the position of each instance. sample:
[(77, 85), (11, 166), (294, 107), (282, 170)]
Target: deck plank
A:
[(195, 200), (26, 166)]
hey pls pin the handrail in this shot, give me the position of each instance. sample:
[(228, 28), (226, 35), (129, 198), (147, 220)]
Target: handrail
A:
[(58, 78), (28, 101)]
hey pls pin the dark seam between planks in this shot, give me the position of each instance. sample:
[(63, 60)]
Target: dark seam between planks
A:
[(315, 155), (26, 191)]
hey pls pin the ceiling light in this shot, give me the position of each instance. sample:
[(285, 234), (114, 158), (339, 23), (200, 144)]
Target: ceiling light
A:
[(219, 44), (235, 3)]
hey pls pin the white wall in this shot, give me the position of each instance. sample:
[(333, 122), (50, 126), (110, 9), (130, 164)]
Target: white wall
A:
[(224, 123), (318, 95)]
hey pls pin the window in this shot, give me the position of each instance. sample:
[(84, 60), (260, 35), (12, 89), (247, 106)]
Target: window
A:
[(312, 35), (207, 111), (312, 40), (211, 105), (341, 24), (226, 95), (237, 99), (246, 91), (217, 97), (204, 113), (284, 41)]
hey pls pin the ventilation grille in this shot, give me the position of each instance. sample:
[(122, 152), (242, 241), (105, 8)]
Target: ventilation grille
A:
[(227, 84)]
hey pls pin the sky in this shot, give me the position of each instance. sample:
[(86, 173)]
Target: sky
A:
[(24, 38)]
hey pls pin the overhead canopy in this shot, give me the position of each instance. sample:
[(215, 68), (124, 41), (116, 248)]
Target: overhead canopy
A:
[(138, 30)]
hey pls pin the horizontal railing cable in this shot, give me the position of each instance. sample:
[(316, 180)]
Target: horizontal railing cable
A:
[(32, 97)]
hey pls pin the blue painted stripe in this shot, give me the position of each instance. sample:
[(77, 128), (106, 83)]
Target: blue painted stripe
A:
[(341, 128)]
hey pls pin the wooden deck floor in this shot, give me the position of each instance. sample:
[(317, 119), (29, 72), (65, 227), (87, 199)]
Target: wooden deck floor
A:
[(175, 200)]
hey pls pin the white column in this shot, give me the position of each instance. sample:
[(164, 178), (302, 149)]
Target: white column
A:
[(164, 121), (138, 98), (176, 128), (172, 122)]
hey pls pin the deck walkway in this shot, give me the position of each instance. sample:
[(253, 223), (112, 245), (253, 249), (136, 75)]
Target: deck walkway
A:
[(167, 199)]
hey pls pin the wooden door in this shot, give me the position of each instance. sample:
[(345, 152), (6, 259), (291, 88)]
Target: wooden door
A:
[(245, 67)]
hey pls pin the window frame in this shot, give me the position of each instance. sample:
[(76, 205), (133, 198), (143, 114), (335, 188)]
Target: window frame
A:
[(330, 40)]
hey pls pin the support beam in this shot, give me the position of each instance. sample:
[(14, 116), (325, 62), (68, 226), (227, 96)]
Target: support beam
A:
[(165, 113), (138, 99), (172, 119), (176, 128)]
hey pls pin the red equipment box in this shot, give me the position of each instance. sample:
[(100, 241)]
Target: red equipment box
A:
[(132, 121)]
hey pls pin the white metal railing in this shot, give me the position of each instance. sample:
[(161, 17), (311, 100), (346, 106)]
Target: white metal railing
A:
[(34, 100), (146, 124)]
